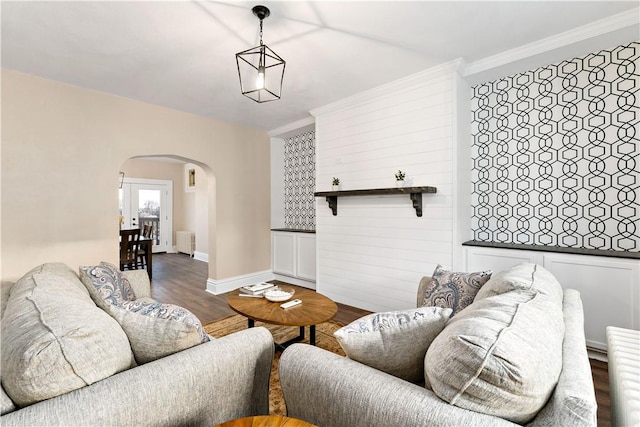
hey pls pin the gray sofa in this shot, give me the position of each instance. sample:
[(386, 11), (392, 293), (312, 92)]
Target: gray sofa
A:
[(205, 384), (330, 390)]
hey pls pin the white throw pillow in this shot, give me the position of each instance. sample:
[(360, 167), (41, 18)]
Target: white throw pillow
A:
[(157, 330), (394, 342)]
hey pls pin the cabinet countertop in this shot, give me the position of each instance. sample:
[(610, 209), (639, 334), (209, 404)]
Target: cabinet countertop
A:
[(294, 230)]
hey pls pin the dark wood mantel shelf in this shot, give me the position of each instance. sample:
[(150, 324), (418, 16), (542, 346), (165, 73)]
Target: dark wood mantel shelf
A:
[(415, 193)]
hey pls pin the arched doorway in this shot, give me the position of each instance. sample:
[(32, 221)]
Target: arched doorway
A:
[(188, 203)]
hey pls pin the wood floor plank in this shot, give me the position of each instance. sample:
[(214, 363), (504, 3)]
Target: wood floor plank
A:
[(182, 280)]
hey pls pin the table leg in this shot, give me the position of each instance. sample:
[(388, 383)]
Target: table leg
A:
[(252, 323), (312, 334)]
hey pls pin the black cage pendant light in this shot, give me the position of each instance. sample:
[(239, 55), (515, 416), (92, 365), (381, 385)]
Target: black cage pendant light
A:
[(260, 69)]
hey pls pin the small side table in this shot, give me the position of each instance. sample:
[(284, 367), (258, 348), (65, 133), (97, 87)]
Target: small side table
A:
[(266, 421)]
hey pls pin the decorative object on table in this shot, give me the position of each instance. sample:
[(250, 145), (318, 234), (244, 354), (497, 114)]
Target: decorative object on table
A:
[(257, 288), (277, 294), (335, 183), (260, 69), (400, 178)]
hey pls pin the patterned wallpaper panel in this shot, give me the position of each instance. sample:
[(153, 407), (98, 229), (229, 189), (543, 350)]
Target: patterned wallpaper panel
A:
[(556, 159), (300, 181)]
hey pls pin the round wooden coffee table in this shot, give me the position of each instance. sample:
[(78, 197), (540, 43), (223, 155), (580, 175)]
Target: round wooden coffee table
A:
[(315, 309), (266, 421)]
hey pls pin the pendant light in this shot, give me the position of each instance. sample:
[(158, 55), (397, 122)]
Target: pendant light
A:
[(260, 69)]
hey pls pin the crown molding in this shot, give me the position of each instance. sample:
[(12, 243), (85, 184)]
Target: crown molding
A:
[(594, 29), (397, 86), (295, 128)]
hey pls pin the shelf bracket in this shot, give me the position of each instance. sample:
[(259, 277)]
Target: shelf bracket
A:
[(333, 204), (416, 198)]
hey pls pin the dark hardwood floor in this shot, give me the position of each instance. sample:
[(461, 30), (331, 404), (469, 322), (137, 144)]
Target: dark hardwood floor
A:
[(181, 280)]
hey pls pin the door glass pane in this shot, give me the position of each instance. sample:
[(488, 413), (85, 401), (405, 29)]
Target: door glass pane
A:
[(149, 212)]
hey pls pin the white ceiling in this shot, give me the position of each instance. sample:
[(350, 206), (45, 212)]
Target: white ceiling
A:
[(180, 54)]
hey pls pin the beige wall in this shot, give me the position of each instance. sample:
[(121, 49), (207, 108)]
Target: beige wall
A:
[(62, 148)]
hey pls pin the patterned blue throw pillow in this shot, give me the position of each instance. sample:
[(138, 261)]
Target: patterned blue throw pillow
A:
[(107, 281), (453, 290)]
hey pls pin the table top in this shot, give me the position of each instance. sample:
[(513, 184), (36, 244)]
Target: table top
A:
[(315, 308), (266, 421)]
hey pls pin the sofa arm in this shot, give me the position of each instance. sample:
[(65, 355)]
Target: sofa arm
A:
[(207, 384), (140, 282), (330, 390)]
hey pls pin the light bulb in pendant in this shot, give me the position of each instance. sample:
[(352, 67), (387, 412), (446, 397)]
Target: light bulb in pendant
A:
[(260, 79)]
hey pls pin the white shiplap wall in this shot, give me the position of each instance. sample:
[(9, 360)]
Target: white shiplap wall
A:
[(374, 252)]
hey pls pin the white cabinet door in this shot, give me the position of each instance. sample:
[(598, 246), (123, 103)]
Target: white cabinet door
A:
[(306, 256), (283, 253)]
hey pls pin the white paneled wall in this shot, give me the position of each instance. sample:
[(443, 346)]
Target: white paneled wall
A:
[(374, 252), (609, 287)]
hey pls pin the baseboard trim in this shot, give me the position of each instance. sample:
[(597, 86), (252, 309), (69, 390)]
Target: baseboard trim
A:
[(221, 286), (597, 354), (295, 281), (201, 256)]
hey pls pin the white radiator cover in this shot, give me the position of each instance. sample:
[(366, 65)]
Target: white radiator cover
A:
[(186, 242), (623, 352)]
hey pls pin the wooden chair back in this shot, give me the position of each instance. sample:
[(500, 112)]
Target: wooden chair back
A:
[(129, 246), (147, 230)]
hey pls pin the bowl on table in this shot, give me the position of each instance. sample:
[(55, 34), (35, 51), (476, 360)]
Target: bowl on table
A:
[(279, 294)]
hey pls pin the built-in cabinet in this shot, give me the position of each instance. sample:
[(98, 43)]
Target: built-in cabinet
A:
[(609, 287), (293, 256)]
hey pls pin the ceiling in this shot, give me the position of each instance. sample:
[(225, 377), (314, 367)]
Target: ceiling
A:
[(180, 54)]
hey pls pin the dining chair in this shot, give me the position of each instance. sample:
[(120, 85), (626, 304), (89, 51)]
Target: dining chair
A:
[(129, 248), (147, 232)]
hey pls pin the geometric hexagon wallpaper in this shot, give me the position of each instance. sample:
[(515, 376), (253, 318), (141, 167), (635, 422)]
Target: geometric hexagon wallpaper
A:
[(300, 181), (556, 157)]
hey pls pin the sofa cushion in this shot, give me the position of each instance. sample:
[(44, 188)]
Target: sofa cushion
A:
[(154, 329), (55, 339), (6, 404), (526, 276), (394, 342), (501, 356), (453, 290)]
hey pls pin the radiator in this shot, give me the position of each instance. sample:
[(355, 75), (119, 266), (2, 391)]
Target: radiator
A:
[(185, 242), (623, 352)]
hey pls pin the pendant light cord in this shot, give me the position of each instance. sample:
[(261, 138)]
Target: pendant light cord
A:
[(261, 32)]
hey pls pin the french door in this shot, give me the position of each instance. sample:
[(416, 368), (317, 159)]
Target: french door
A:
[(148, 202)]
